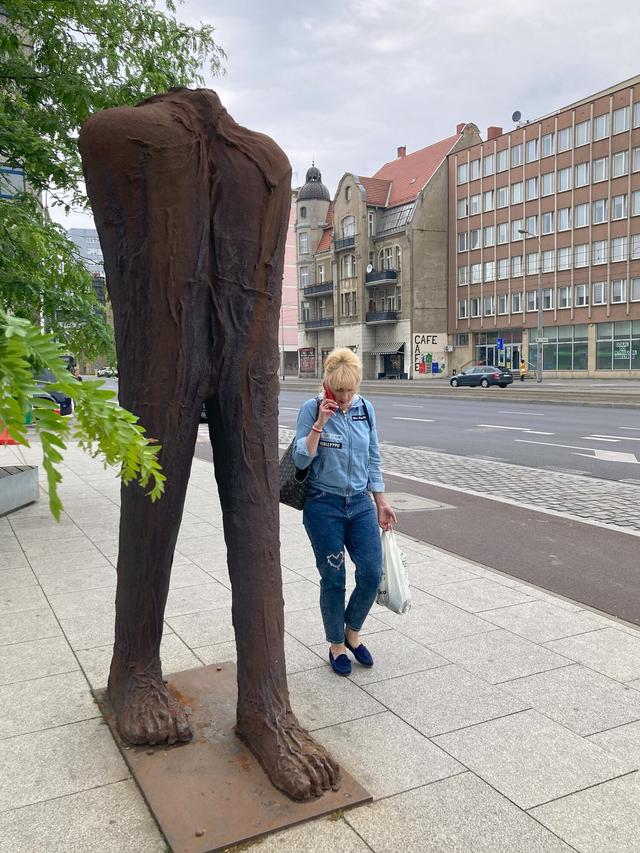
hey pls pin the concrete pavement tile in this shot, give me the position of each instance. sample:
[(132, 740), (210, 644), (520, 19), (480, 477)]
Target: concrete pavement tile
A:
[(530, 759), (306, 625), (12, 558), (36, 658), (318, 836), (195, 530), (478, 594), (193, 599), (623, 741), (17, 578), (218, 652), (43, 703), (185, 573), (300, 595), (174, 654), (540, 621), (604, 819), (579, 698), (298, 657), (609, 651), (203, 628), (499, 655), (83, 754), (28, 625), (386, 755), (425, 574), (394, 655), (310, 573), (46, 566), (435, 621), (442, 699), (65, 582), (93, 629), (21, 599), (321, 698), (212, 546), (95, 602), (461, 814), (39, 548)]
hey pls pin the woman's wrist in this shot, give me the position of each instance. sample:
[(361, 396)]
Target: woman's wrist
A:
[(316, 428)]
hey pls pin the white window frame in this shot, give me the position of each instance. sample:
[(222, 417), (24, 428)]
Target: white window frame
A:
[(563, 258), (600, 210), (564, 296), (548, 144), (599, 252), (463, 173), (619, 164), (516, 302), (547, 184), (531, 188), (516, 226), (502, 269), (601, 126), (619, 248), (516, 266), (488, 236), (531, 300), (531, 226), (531, 150), (475, 273), (581, 177), (582, 135), (487, 201), (618, 291), (303, 243), (634, 294), (462, 309), (581, 255), (619, 207), (304, 276), (517, 155), (620, 120), (563, 219), (600, 170), (475, 239), (502, 160), (599, 293), (503, 303), (463, 241), (581, 299), (635, 203), (502, 233), (488, 306), (547, 299), (463, 275), (517, 192), (502, 197), (563, 179), (488, 165), (548, 222), (474, 204), (474, 306), (489, 272), (565, 139)]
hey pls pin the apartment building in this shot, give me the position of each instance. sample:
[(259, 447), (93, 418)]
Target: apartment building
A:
[(372, 264), (552, 208)]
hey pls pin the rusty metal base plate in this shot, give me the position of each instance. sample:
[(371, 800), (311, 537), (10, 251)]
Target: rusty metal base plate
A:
[(212, 793)]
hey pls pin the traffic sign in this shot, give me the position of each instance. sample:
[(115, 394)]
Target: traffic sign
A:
[(542, 340), (500, 343)]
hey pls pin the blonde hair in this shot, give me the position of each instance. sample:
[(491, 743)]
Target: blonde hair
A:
[(343, 369)]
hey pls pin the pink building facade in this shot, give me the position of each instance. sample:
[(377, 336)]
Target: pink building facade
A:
[(288, 332)]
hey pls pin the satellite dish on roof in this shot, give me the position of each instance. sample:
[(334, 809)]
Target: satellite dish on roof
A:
[(516, 116), (369, 268)]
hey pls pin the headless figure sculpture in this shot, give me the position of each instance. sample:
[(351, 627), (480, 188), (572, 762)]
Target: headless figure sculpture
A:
[(192, 212)]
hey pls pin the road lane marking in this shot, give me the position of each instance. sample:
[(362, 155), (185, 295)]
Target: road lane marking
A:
[(599, 438), (422, 420), (600, 455), (519, 429), (633, 428), (408, 406), (289, 408), (551, 444), (527, 414), (615, 437)]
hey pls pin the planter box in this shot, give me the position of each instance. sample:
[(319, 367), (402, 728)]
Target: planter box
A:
[(18, 487)]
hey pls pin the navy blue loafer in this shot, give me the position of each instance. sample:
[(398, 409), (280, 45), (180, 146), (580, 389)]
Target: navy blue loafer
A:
[(361, 654), (341, 665)]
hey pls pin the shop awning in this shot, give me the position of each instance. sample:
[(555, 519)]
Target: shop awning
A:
[(386, 349)]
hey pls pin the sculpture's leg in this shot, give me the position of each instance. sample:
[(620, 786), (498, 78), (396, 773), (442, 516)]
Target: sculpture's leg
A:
[(244, 434), (153, 218)]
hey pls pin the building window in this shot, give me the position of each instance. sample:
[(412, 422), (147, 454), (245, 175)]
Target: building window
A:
[(488, 165), (516, 155), (532, 226), (371, 220), (502, 196), (321, 274), (502, 233), (567, 348), (398, 258), (599, 293), (600, 127), (563, 258), (619, 207), (564, 179), (564, 139), (304, 276), (547, 182), (463, 173), (618, 249), (600, 252), (474, 238), (474, 204), (564, 297), (600, 213), (532, 188), (489, 270), (489, 238), (581, 255), (619, 164), (516, 193), (635, 203), (532, 150), (502, 160), (582, 175), (532, 263), (463, 209), (516, 266), (581, 215), (476, 273), (635, 246), (475, 306), (547, 222), (618, 345), (503, 268), (347, 193), (635, 288), (487, 201), (548, 260), (516, 227), (516, 303), (349, 266), (463, 240), (474, 170), (621, 120), (582, 295), (619, 290), (547, 299), (548, 144), (463, 275), (303, 243), (303, 213), (582, 133), (532, 300), (348, 226), (462, 309), (636, 114), (564, 219), (488, 306), (600, 169), (635, 160), (503, 304)]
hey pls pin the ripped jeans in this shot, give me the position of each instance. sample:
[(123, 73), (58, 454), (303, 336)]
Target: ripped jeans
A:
[(333, 523)]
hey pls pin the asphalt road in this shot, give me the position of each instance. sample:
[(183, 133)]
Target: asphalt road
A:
[(601, 442)]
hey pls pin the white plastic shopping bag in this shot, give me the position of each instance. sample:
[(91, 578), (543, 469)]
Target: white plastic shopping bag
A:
[(394, 591)]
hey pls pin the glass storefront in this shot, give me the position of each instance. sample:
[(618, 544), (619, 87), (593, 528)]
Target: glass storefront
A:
[(487, 352), (618, 345), (567, 348)]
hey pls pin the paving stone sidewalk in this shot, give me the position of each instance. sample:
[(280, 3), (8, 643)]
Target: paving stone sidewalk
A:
[(498, 718)]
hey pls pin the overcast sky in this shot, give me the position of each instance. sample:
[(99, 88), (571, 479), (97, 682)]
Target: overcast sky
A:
[(347, 81)]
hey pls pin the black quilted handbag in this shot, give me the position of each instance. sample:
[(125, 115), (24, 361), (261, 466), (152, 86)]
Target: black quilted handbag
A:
[(293, 481)]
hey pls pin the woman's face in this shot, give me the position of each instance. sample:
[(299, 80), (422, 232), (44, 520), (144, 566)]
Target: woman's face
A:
[(344, 396)]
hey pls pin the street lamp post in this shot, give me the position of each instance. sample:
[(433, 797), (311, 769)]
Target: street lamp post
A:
[(540, 333)]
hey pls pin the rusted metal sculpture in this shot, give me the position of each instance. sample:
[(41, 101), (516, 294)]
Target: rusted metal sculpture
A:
[(192, 212)]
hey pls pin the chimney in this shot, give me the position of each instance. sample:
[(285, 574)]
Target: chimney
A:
[(493, 132), (460, 127), (402, 151)]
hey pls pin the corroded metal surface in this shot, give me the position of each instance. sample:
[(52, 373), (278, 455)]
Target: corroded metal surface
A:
[(212, 792)]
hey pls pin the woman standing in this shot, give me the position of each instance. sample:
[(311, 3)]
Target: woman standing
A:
[(336, 435)]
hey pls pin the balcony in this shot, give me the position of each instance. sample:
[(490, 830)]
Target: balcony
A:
[(344, 243), (381, 317), (381, 277), (320, 289), (321, 323)]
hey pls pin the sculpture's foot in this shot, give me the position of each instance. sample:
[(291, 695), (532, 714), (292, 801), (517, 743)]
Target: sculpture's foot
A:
[(291, 758), (146, 712)]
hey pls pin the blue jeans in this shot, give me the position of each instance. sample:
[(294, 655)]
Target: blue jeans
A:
[(333, 523)]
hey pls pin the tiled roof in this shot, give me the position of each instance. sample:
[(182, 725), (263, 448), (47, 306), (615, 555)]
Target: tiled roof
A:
[(325, 240), (377, 190), (409, 174)]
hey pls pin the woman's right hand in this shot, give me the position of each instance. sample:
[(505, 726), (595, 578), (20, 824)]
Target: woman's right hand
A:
[(325, 411)]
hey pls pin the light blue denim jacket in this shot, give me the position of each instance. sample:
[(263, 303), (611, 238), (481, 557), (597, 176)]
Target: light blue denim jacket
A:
[(348, 457)]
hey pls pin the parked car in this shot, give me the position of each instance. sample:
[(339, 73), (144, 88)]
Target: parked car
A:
[(484, 376), (107, 372), (64, 403)]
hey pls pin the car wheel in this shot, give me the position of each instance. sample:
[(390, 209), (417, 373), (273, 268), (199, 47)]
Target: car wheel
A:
[(503, 384), (485, 383), (454, 383)]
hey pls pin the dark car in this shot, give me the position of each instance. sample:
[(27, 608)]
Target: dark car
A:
[(63, 402), (484, 376)]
